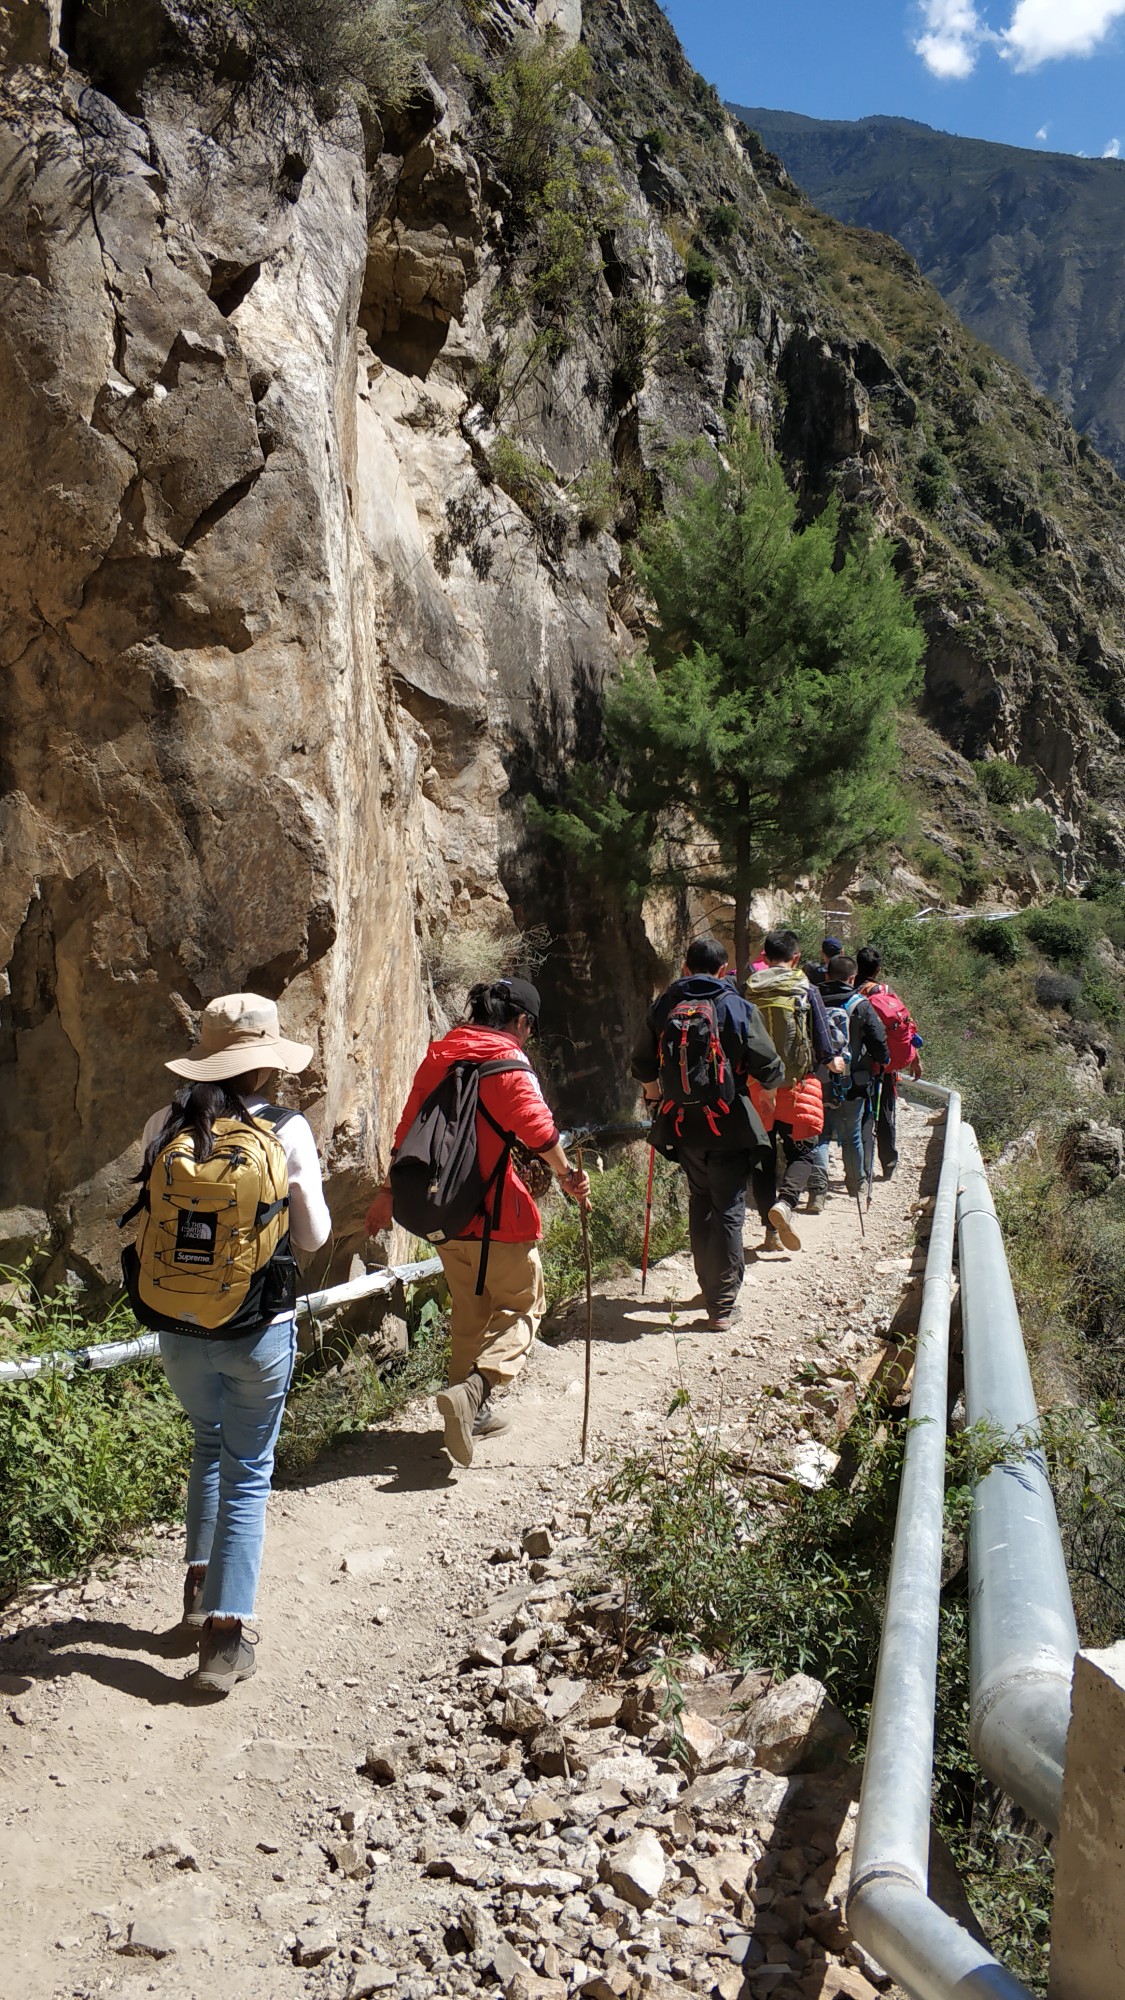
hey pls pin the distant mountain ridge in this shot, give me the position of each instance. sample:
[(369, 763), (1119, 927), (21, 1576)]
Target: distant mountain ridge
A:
[(1027, 247)]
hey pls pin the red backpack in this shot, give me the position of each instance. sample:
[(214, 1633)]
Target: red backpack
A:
[(898, 1025)]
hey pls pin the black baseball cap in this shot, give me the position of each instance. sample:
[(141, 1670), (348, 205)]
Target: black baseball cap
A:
[(524, 995), (833, 946)]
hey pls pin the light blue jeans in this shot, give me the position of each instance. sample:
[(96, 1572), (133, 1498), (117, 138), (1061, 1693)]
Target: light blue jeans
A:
[(234, 1394), (844, 1122)]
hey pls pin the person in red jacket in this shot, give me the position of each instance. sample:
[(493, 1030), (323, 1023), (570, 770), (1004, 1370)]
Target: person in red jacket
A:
[(491, 1332)]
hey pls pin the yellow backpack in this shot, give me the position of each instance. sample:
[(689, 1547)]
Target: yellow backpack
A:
[(212, 1254)]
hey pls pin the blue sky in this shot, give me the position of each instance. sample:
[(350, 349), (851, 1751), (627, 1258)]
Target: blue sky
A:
[(1046, 74)]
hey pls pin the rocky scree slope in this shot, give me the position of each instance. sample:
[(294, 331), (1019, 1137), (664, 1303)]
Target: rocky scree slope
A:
[(1024, 245), (325, 443)]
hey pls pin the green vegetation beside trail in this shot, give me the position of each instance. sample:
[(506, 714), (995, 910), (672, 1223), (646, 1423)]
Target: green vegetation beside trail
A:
[(720, 1557), (755, 739), (88, 1462), (616, 1226)]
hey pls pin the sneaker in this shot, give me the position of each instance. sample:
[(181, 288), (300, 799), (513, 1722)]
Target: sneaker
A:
[(458, 1407), (225, 1658), (194, 1616), (490, 1422), (888, 1171), (815, 1204), (720, 1322), (773, 1240), (781, 1220)]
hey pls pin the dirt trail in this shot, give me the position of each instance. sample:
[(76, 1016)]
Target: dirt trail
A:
[(123, 1802)]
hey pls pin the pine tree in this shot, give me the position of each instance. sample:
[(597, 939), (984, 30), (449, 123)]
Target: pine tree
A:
[(756, 738)]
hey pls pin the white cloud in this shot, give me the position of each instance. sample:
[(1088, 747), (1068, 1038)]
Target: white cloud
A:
[(1042, 132), (1044, 30), (1112, 151), (953, 32)]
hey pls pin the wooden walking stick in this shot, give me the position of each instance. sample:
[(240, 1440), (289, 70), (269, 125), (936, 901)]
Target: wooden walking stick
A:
[(648, 1220), (583, 1212)]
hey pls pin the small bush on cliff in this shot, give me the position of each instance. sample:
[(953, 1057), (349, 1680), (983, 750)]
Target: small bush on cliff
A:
[(341, 45)]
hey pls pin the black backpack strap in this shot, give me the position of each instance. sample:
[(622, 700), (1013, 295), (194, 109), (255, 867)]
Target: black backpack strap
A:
[(496, 1179), (275, 1116), (131, 1214)]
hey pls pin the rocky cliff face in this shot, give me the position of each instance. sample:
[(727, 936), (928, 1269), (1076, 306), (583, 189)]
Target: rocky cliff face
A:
[(312, 514)]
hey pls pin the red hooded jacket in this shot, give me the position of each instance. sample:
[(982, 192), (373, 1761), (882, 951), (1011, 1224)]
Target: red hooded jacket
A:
[(514, 1100)]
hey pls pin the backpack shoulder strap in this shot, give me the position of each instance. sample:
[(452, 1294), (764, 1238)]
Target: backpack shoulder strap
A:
[(276, 1116)]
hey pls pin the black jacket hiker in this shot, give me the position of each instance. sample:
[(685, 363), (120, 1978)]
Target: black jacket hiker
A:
[(717, 1166), (868, 1036)]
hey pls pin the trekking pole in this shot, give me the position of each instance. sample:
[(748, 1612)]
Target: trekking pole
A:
[(648, 1220), (583, 1212), (874, 1141), (859, 1205)]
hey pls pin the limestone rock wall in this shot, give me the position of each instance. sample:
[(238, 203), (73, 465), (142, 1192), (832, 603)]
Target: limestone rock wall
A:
[(283, 650)]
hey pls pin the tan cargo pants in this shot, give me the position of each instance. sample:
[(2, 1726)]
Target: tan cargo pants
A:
[(492, 1332)]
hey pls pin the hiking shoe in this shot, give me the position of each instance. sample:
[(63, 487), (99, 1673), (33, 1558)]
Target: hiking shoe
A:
[(225, 1658), (781, 1219), (489, 1422), (194, 1615), (815, 1204), (720, 1322), (458, 1407), (888, 1171), (773, 1240)]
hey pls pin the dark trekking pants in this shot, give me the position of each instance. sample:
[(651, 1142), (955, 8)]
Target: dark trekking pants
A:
[(716, 1219), (879, 1129), (806, 1167)]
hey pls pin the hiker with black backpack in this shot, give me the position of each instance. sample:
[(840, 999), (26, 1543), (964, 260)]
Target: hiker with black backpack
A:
[(701, 1045), (905, 1045), (857, 1035), (794, 1016), (453, 1181), (230, 1185)]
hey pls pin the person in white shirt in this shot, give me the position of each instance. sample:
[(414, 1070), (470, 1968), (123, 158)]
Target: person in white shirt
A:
[(233, 1388)]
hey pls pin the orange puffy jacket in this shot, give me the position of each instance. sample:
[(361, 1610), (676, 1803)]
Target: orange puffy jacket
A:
[(799, 1105)]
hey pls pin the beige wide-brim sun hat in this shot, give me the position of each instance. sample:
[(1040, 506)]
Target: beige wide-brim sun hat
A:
[(239, 1032)]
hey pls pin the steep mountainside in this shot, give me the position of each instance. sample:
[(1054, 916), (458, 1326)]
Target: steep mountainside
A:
[(1027, 247), (327, 431)]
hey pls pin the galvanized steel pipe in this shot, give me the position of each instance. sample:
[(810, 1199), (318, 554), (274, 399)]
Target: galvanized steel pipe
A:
[(889, 1909), (114, 1353), (1022, 1631)]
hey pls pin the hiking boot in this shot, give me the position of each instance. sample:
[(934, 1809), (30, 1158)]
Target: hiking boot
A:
[(490, 1422), (773, 1240), (815, 1204), (194, 1615), (225, 1658), (458, 1407), (781, 1219)]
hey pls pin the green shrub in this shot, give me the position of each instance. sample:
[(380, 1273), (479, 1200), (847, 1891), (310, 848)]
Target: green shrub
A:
[(343, 1389), (526, 115), (701, 275), (616, 1226), (86, 1461), (1000, 941), (341, 45), (1062, 930), (1005, 784), (722, 221)]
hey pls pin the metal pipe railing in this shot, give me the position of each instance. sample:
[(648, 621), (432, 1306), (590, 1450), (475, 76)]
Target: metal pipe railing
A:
[(1022, 1634), (113, 1353), (889, 1909)]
